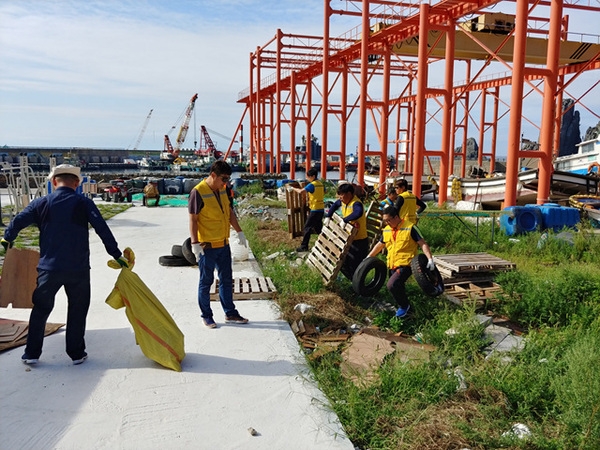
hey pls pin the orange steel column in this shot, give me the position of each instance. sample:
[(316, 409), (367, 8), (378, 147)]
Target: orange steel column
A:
[(279, 37), (385, 115), (549, 105), (495, 129), (420, 124), (516, 104), (274, 166), (364, 69), (559, 115), (325, 95), (293, 125), (259, 118), (482, 126), (307, 119), (252, 118), (447, 151), (344, 122)]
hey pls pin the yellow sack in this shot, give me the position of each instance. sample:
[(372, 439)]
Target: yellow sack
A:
[(155, 330)]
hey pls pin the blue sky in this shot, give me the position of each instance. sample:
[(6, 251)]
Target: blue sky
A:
[(85, 73)]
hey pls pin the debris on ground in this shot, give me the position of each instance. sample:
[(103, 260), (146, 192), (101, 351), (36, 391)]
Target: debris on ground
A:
[(367, 350)]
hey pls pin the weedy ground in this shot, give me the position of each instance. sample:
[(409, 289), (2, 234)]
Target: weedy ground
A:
[(551, 386)]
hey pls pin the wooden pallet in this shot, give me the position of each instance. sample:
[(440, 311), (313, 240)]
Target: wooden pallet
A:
[(456, 264), (329, 252), (374, 223), (247, 289), (480, 292), (297, 212)]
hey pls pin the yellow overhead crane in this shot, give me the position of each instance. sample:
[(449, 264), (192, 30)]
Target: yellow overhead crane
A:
[(484, 35)]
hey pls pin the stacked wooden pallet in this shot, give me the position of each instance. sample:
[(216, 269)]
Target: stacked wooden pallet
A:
[(465, 265), (481, 292), (329, 252), (469, 276)]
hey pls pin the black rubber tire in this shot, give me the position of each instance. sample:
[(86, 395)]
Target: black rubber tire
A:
[(105, 197), (176, 250), (129, 197), (115, 197), (172, 261), (431, 282), (188, 254), (361, 273)]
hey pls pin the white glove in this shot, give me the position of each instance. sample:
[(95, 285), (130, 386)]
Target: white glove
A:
[(242, 239), (430, 264), (327, 221), (197, 250)]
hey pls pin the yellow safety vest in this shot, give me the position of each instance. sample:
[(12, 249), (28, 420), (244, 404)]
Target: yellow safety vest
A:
[(315, 199), (213, 219), (409, 207), (401, 247), (362, 220)]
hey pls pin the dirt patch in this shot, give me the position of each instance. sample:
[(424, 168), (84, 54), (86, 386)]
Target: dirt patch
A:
[(270, 231)]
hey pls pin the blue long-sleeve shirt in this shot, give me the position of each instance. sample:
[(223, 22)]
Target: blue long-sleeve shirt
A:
[(63, 218), (357, 210)]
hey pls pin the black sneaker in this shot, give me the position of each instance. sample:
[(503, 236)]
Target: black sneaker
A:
[(76, 362), (209, 322), (235, 318), (27, 360)]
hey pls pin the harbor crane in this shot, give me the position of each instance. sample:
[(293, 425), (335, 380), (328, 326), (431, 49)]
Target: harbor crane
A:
[(207, 147), (171, 152), (143, 130)]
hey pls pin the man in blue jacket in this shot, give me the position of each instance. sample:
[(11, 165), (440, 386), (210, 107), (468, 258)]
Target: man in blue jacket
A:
[(62, 218)]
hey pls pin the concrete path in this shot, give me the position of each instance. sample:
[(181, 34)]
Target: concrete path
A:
[(233, 378)]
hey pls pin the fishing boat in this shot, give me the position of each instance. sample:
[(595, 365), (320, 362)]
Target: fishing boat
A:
[(585, 161), (589, 206)]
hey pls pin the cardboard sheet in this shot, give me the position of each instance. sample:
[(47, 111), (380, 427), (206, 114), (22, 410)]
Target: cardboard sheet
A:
[(19, 275)]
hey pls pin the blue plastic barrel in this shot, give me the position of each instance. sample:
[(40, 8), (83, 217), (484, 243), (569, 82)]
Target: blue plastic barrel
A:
[(530, 219), (508, 222)]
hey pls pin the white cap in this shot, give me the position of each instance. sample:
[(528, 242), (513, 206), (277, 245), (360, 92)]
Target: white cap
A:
[(64, 169)]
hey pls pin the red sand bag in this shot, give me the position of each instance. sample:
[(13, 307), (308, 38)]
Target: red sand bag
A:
[(155, 330)]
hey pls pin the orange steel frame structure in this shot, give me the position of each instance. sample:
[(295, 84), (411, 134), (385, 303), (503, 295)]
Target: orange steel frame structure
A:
[(306, 82)]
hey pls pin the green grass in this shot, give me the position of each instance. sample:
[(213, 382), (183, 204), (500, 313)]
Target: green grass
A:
[(551, 385)]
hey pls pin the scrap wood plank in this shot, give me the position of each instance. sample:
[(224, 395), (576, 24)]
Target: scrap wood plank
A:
[(253, 288), (19, 275), (452, 264)]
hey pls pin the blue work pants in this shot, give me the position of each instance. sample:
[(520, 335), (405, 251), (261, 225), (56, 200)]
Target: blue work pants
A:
[(77, 288), (219, 258)]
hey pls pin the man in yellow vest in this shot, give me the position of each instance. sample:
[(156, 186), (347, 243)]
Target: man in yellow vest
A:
[(402, 240), (211, 214), (353, 212), (390, 199), (407, 202), (316, 193)]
